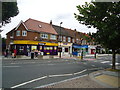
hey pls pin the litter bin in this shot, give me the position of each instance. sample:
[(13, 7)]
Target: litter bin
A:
[(32, 55)]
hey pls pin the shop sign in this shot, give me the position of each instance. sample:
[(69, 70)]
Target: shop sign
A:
[(41, 43), (65, 44), (80, 46), (51, 44)]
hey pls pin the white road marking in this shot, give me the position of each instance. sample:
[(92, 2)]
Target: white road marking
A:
[(105, 62), (116, 64), (80, 72), (11, 66), (13, 63), (60, 75), (29, 82), (46, 77), (60, 81)]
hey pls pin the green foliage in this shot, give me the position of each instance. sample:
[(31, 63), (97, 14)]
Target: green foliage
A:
[(105, 17), (9, 9)]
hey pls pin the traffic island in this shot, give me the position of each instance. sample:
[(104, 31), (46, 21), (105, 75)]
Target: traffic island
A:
[(108, 78)]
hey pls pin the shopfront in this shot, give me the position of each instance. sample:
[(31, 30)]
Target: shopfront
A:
[(91, 49), (24, 47), (79, 48), (65, 48)]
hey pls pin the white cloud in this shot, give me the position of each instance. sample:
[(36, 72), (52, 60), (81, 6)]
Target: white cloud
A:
[(46, 10)]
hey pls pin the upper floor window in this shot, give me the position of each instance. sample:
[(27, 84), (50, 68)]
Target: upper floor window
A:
[(53, 37), (11, 34), (24, 33), (60, 38), (73, 40), (83, 41), (17, 33), (77, 40), (64, 39), (69, 39), (45, 36)]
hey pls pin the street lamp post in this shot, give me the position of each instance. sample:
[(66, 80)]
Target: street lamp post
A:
[(60, 40)]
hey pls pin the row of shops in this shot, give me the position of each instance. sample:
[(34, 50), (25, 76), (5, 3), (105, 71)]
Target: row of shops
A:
[(23, 47)]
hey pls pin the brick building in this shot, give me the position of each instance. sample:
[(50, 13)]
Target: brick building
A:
[(45, 37)]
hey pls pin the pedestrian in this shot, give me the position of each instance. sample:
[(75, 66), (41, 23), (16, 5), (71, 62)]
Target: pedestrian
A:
[(39, 52), (36, 53), (6, 53), (32, 54)]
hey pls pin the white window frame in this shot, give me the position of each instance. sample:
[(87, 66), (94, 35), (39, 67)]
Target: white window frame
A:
[(69, 39), (44, 36), (24, 33), (60, 38), (53, 37), (64, 39), (73, 40), (17, 33)]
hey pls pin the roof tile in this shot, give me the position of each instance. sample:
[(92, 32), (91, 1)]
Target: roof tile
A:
[(39, 26)]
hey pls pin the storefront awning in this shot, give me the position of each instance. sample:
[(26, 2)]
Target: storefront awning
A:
[(80, 46), (34, 42)]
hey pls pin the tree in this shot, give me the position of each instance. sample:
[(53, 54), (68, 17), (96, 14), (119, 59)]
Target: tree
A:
[(9, 9), (105, 17)]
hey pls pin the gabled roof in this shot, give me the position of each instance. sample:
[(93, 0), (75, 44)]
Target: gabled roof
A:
[(61, 31), (39, 26), (21, 22), (71, 32)]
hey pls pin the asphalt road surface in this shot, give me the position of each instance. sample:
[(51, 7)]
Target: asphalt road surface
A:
[(36, 73)]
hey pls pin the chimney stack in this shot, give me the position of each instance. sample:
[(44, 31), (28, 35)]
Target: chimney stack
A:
[(51, 22)]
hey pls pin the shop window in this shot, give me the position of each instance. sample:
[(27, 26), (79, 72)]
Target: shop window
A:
[(40, 48), (17, 33), (59, 49), (66, 49), (33, 47), (55, 48), (21, 49), (24, 33)]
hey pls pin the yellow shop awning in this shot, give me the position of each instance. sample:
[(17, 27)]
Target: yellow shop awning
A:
[(34, 42)]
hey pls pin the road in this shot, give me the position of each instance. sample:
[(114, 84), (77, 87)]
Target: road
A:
[(36, 73)]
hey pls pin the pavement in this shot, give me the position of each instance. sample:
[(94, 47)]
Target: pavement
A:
[(98, 79), (49, 57)]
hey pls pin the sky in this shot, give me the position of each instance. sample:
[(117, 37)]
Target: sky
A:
[(46, 10)]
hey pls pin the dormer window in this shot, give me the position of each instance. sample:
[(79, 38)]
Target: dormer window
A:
[(39, 26)]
